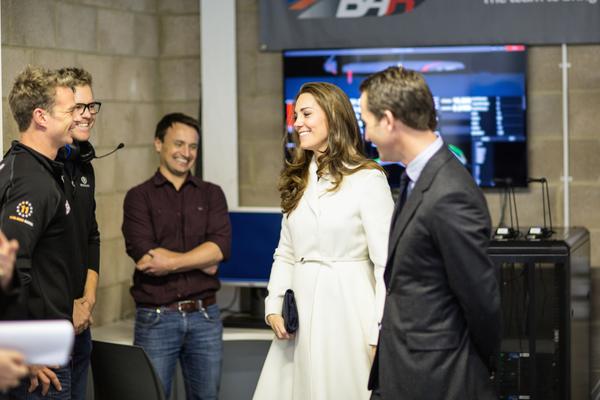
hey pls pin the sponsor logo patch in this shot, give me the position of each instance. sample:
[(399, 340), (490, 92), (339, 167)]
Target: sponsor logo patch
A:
[(24, 210), (22, 220), (84, 182)]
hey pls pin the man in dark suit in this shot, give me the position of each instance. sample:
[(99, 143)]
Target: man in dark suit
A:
[(440, 330)]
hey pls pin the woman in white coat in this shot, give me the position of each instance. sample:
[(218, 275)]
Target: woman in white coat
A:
[(332, 251)]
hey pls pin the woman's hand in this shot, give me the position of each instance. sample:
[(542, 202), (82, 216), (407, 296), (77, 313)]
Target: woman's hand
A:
[(278, 326)]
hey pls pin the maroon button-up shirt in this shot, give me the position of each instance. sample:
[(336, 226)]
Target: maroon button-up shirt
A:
[(157, 215)]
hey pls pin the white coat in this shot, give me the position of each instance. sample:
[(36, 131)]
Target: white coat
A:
[(332, 253)]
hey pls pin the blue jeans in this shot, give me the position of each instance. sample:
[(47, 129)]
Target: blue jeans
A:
[(80, 363), (195, 339), (64, 376)]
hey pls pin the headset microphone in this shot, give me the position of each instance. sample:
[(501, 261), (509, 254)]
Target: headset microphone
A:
[(119, 146), (76, 151)]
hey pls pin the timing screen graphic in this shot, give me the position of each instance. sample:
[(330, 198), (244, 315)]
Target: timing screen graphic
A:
[(479, 94)]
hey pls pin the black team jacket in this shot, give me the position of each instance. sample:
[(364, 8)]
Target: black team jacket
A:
[(80, 186), (34, 210)]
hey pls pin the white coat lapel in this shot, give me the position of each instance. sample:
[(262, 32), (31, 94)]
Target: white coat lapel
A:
[(312, 190)]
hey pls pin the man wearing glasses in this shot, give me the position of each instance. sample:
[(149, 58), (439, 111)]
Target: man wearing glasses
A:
[(35, 211), (80, 190)]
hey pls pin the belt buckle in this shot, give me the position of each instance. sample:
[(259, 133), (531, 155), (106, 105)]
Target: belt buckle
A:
[(180, 303)]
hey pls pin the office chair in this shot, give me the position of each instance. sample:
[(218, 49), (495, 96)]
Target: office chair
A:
[(123, 372)]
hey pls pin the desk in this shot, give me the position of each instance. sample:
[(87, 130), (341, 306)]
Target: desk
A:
[(244, 352)]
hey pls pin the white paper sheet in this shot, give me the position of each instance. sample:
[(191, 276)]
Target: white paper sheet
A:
[(41, 342)]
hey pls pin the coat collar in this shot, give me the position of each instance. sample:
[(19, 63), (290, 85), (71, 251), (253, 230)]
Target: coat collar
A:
[(312, 192), (317, 187), (441, 157), (55, 168)]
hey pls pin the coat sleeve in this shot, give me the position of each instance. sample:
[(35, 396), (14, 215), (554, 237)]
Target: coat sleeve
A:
[(281, 271), (376, 209), (461, 230)]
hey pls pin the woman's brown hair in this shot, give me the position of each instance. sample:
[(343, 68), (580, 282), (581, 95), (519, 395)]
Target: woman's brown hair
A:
[(344, 154)]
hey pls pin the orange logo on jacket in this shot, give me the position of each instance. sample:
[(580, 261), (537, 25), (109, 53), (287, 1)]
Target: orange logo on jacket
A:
[(24, 209)]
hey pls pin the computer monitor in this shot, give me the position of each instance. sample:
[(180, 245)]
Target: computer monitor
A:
[(254, 238), (479, 93)]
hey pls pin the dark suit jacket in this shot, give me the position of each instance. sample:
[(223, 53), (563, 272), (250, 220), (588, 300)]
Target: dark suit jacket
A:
[(441, 323)]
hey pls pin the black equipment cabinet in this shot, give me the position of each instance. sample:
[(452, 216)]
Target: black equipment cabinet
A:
[(545, 292)]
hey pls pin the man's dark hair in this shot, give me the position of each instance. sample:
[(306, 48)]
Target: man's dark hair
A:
[(404, 93), (168, 120)]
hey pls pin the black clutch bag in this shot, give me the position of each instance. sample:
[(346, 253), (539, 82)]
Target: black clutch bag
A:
[(290, 312)]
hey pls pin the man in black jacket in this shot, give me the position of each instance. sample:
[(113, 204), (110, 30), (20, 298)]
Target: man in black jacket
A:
[(80, 189), (35, 212)]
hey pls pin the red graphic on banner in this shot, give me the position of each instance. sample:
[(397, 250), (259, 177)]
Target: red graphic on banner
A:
[(408, 6), (351, 8), (302, 4)]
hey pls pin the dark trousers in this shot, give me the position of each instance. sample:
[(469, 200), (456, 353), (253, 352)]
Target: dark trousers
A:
[(80, 363), (64, 376)]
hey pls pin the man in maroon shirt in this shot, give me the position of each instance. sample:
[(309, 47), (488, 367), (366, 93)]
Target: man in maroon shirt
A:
[(177, 230)]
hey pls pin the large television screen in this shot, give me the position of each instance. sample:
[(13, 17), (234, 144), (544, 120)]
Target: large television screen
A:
[(479, 93)]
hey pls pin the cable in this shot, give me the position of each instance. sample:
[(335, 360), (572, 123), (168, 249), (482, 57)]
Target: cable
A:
[(514, 198)]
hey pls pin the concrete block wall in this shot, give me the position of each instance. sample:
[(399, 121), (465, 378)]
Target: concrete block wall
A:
[(144, 59), (584, 122), (179, 62), (260, 118)]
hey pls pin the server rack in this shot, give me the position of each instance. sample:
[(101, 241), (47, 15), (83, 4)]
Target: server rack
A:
[(545, 288)]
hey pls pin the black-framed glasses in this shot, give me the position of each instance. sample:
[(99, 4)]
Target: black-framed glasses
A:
[(94, 107)]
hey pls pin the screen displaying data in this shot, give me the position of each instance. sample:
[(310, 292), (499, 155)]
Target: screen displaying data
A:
[(479, 93)]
